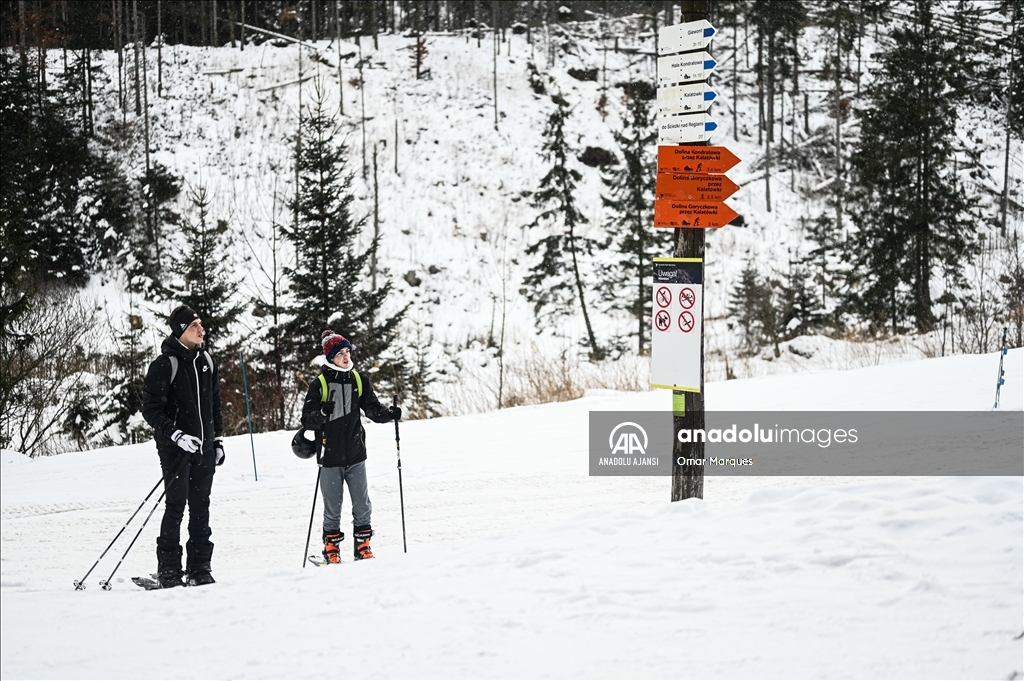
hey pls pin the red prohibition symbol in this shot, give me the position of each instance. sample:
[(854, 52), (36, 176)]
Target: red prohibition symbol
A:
[(686, 322), (664, 297), (687, 298), (662, 320)]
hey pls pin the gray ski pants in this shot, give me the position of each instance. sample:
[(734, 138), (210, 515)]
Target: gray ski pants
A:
[(331, 489)]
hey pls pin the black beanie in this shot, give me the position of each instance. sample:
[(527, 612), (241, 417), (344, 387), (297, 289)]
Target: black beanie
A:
[(180, 319)]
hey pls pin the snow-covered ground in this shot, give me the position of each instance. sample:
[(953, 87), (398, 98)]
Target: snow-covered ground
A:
[(521, 565)]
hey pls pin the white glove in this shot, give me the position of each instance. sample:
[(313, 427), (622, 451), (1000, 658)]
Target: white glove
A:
[(190, 443), (218, 453)]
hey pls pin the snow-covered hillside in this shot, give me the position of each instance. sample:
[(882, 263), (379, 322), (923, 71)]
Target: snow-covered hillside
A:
[(521, 565), (454, 186)]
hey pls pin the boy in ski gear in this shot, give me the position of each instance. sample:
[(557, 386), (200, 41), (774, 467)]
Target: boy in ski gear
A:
[(332, 406), (181, 402)]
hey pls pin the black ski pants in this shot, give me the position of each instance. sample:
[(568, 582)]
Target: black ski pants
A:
[(191, 486)]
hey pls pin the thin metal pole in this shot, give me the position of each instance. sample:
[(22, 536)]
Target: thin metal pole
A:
[(248, 414), (401, 496), (309, 532)]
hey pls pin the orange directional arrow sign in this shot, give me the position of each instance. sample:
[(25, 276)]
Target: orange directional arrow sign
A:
[(712, 160), (695, 214), (694, 187)]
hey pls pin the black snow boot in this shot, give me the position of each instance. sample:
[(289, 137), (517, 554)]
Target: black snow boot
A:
[(199, 575), (168, 567), (361, 542), (198, 565)]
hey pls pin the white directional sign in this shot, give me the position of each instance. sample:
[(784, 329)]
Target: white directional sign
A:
[(677, 312), (695, 35), (685, 68), (681, 129), (684, 99)]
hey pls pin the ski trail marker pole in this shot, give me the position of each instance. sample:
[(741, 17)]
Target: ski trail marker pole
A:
[(309, 532), (80, 583), (248, 413), (401, 496)]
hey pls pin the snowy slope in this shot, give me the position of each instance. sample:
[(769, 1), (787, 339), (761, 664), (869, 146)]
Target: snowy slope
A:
[(454, 187), (520, 565)]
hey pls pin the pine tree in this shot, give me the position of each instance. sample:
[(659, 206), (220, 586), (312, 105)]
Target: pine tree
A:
[(209, 288), (745, 306), (329, 285), (554, 284), (821, 260), (630, 199), (913, 210)]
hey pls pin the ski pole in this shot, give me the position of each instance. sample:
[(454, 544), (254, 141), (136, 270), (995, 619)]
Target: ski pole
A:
[(248, 414), (105, 583), (80, 583), (309, 532), (1000, 381), (401, 496)]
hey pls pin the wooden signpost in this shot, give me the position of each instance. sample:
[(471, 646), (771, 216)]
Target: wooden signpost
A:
[(690, 188)]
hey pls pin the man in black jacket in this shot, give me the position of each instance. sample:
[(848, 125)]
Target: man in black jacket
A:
[(332, 406), (182, 403)]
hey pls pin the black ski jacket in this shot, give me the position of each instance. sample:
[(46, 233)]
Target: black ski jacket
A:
[(191, 404), (341, 440)]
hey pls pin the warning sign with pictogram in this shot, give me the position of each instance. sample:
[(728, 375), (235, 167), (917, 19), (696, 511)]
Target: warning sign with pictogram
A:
[(687, 298), (676, 338)]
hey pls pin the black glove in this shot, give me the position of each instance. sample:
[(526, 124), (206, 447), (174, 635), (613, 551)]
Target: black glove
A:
[(218, 453), (395, 413), (327, 408)]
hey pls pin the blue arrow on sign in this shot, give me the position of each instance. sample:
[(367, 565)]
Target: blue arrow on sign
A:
[(710, 125)]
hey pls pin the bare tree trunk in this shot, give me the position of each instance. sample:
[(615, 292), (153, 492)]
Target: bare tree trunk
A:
[(362, 100), (373, 24), (231, 22), (135, 48), (64, 33), (214, 40), (145, 116), (22, 37), (159, 49), (595, 353), (337, 38), (839, 118), (760, 89), (88, 92), (376, 226), (497, 49), (1009, 110)]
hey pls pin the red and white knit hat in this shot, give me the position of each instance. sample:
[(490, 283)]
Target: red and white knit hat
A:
[(333, 343)]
